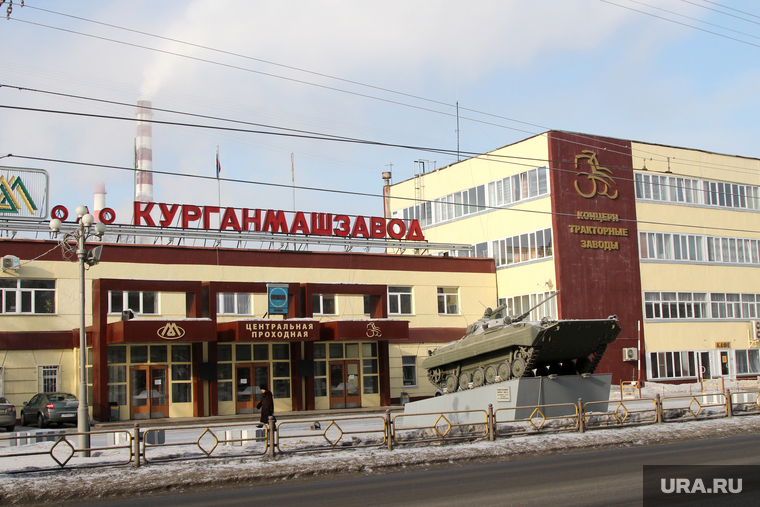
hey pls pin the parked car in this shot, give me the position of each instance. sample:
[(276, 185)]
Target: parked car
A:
[(46, 408), (7, 414)]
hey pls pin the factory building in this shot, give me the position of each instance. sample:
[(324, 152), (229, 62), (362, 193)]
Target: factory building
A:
[(666, 238), (181, 331)]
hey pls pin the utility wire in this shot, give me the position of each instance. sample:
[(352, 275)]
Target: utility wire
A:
[(681, 24), (695, 19), (367, 194), (724, 13), (297, 69), (268, 74), (290, 67)]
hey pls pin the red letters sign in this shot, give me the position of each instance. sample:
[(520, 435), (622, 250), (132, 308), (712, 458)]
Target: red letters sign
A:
[(276, 221)]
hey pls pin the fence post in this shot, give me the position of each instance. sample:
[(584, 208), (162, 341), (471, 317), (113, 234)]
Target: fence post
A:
[(729, 404), (136, 445), (658, 407), (271, 437), (581, 418), (491, 424), (388, 430)]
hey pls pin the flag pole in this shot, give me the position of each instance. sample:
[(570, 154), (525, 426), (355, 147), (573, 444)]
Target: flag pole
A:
[(218, 184), (293, 181)]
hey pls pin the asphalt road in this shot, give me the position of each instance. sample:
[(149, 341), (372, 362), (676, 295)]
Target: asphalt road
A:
[(605, 477)]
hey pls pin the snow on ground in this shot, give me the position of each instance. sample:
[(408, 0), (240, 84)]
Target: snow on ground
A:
[(256, 467)]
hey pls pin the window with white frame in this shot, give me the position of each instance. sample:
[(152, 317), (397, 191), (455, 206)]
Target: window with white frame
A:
[(324, 304), (27, 296), (694, 247), (501, 192), (523, 247), (48, 378), (517, 305), (701, 305), (409, 367), (693, 191), (448, 300), (399, 300), (142, 303), (747, 361), (234, 303), (676, 364)]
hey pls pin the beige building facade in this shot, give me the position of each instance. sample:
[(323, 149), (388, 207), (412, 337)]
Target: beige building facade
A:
[(666, 238)]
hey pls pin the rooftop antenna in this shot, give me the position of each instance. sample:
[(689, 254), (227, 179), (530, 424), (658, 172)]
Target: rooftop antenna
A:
[(458, 158), (293, 181)]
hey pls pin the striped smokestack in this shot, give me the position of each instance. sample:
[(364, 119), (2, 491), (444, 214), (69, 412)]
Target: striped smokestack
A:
[(144, 155), (99, 198)]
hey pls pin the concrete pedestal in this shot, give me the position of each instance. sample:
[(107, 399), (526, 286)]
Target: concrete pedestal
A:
[(522, 392)]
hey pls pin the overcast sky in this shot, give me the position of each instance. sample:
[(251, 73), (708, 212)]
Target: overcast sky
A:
[(517, 68)]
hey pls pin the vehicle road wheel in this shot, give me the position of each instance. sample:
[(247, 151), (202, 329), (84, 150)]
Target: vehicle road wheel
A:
[(504, 371), (10, 428), (478, 377), (452, 383), (491, 374), (464, 380), (41, 421), (518, 367), (22, 418)]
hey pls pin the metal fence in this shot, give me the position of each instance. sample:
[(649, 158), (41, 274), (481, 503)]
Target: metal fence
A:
[(162, 444)]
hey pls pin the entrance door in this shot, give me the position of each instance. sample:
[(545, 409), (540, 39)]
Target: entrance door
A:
[(344, 384), (725, 369), (704, 365), (248, 378), (149, 399)]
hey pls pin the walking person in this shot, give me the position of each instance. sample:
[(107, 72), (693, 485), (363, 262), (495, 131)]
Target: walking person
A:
[(266, 405)]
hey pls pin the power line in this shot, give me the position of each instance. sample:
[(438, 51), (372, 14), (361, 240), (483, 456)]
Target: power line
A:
[(268, 74), (681, 24), (725, 13), (500, 158), (290, 67), (363, 194), (300, 70)]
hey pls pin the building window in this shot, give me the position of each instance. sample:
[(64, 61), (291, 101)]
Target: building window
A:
[(399, 300), (523, 247), (696, 305), (747, 362), (693, 191), (48, 378), (517, 305), (142, 303), (448, 300), (27, 296), (676, 364), (117, 374), (409, 366), (181, 373), (233, 303), (323, 304)]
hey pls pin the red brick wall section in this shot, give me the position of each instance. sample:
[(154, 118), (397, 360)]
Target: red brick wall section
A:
[(597, 268)]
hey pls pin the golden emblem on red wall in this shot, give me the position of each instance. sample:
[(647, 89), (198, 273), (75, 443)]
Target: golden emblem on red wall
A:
[(600, 177), (373, 331), (171, 331)]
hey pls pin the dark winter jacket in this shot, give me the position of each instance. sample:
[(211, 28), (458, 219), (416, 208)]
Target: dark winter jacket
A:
[(267, 407)]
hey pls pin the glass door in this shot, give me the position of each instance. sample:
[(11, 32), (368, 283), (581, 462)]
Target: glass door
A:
[(159, 399), (139, 407), (149, 399), (244, 395), (345, 384)]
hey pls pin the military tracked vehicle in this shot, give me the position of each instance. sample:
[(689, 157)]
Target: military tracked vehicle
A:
[(496, 349)]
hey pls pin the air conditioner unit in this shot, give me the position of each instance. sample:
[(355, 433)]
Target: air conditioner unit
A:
[(629, 354), (10, 262), (756, 330)]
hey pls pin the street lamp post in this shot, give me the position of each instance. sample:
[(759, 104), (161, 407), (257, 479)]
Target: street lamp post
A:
[(83, 231)]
